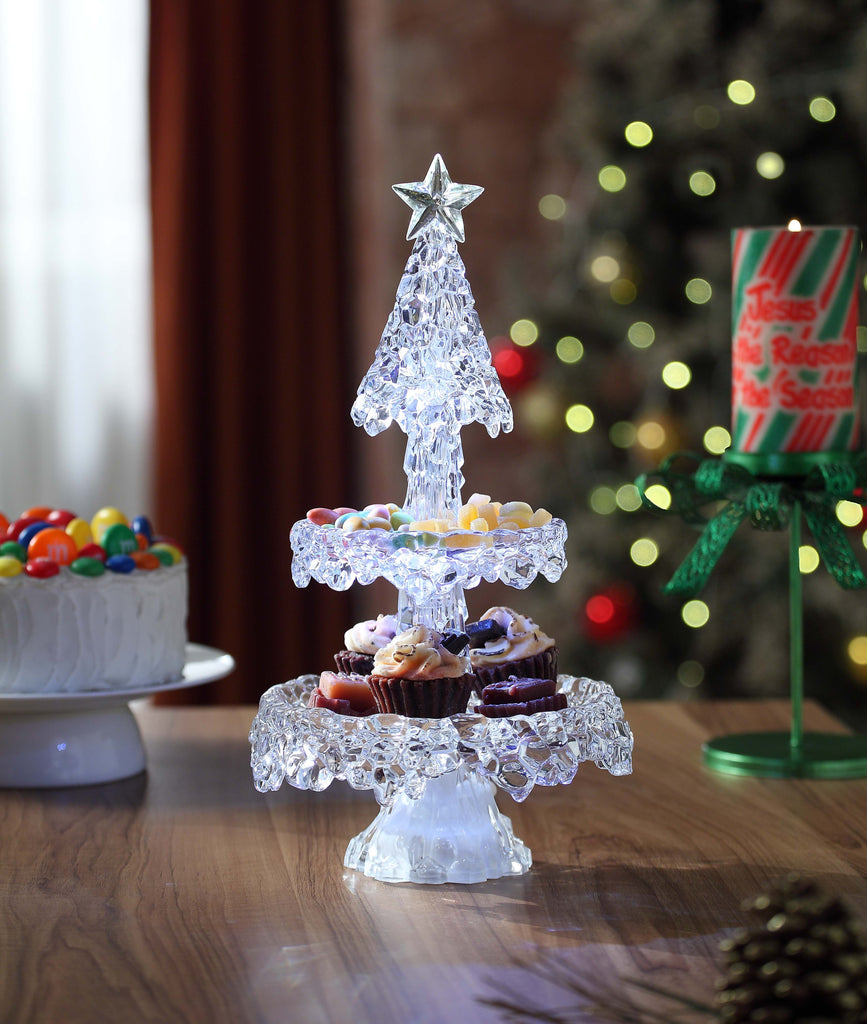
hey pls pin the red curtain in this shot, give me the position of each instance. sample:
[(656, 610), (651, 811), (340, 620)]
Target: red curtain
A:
[(252, 368)]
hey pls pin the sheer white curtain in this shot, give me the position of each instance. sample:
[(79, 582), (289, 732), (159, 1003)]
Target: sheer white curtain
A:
[(76, 380)]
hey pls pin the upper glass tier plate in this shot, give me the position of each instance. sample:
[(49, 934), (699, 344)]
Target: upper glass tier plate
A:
[(422, 563)]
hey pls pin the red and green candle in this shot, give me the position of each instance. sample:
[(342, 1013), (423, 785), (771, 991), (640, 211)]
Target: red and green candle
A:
[(794, 320)]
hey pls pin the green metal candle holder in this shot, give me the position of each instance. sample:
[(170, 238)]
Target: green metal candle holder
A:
[(772, 493)]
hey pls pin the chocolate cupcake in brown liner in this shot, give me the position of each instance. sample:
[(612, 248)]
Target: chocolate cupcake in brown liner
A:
[(422, 698), (353, 663), (417, 676), (511, 645)]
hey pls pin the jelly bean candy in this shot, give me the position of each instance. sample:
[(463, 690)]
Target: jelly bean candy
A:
[(87, 567), (172, 549), (60, 517), (29, 532), (146, 560), (120, 563), (376, 511), (37, 512), (163, 555), (119, 539), (378, 523), (104, 518), (141, 524), (322, 516), (343, 510), (352, 523), (41, 568), (399, 518), (14, 530), (13, 548), (52, 543), (341, 519), (80, 531), (10, 565), (92, 551)]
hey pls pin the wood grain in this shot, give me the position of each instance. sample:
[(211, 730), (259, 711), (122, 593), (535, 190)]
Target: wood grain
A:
[(184, 895)]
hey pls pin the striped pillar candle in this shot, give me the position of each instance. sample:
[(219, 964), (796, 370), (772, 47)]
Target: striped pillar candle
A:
[(794, 317)]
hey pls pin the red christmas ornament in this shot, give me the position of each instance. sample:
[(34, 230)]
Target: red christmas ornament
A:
[(517, 367), (610, 614)]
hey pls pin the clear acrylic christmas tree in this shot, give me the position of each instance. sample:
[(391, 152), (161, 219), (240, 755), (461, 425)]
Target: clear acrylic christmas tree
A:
[(432, 372)]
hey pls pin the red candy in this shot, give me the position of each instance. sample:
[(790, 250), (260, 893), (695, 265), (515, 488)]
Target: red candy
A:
[(4, 525), (60, 517), (15, 529), (41, 568), (321, 516), (92, 551)]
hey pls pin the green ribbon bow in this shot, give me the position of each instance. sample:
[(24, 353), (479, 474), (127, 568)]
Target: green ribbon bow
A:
[(768, 503)]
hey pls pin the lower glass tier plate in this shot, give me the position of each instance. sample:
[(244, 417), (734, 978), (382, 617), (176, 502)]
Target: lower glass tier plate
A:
[(50, 740)]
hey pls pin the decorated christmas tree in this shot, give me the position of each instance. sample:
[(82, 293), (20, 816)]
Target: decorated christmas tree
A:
[(688, 119)]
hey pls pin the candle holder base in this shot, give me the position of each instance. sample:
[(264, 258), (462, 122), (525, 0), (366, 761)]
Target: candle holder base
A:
[(772, 754), (452, 833)]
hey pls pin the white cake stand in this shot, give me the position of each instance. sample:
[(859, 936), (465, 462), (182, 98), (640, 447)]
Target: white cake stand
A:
[(51, 740)]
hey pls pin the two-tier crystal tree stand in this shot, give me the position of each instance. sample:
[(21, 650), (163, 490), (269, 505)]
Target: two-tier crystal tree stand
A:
[(432, 374)]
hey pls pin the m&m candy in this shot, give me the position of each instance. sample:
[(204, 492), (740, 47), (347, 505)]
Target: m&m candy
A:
[(13, 548), (29, 532), (87, 567), (118, 539), (105, 518), (141, 524), (52, 543), (41, 568), (80, 531), (145, 560), (60, 517), (10, 565), (92, 551), (120, 563)]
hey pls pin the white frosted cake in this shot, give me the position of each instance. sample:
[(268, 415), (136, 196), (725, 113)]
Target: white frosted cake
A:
[(103, 609)]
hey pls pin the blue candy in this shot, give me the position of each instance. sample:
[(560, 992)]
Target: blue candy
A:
[(29, 532), (120, 563), (141, 524)]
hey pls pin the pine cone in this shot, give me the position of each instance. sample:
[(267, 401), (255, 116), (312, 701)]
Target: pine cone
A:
[(806, 962)]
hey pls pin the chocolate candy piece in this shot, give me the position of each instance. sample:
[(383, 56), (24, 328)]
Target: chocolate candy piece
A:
[(510, 690), (556, 702), (454, 641), (484, 630)]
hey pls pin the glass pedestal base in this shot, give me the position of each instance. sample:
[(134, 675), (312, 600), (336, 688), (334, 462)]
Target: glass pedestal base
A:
[(454, 832), (820, 756)]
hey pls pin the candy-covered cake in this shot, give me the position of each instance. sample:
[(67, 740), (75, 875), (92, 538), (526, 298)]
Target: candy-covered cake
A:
[(89, 606)]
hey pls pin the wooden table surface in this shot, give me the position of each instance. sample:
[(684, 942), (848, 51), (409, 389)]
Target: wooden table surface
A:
[(185, 895)]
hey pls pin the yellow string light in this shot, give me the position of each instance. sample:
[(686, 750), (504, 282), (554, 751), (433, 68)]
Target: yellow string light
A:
[(822, 109), (524, 332), (605, 269), (579, 418), (612, 178), (676, 375), (644, 551), (659, 495), (638, 134), (702, 183), (628, 498), (695, 613), (849, 513), (623, 291), (622, 434), (741, 92), (603, 500), (808, 559), (716, 440), (552, 207), (651, 435), (641, 334), (857, 650), (770, 165), (569, 349), (698, 291)]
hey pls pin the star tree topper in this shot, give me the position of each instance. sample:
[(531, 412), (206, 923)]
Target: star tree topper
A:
[(437, 198)]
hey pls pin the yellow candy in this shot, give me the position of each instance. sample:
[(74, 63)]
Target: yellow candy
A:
[(353, 523), (80, 531), (480, 524), (509, 524), (10, 566), (465, 540), (489, 514), (175, 552), (521, 507), (541, 517), (375, 523), (422, 525), (466, 515), (104, 518), (479, 499)]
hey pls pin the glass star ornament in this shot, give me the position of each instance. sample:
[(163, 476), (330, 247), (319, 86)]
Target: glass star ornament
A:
[(437, 198)]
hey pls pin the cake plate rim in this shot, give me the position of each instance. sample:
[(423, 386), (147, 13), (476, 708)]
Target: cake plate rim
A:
[(203, 664)]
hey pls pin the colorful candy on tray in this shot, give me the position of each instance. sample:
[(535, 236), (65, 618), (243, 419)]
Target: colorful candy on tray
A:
[(479, 515), (42, 540)]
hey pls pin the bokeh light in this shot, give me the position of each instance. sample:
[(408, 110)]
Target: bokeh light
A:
[(612, 178), (676, 375), (623, 291), (698, 290), (569, 349), (822, 109), (741, 92), (523, 332), (794, 224), (690, 673), (579, 418), (808, 559), (706, 116), (552, 207), (641, 334), (638, 133), (644, 551), (605, 269), (603, 500), (850, 513), (695, 613), (651, 435), (770, 165), (702, 183), (628, 498), (716, 440), (659, 495), (857, 650), (622, 434)]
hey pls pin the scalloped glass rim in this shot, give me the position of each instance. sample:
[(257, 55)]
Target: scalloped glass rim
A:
[(310, 747), (423, 560)]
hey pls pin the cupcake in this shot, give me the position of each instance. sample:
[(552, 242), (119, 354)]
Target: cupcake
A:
[(363, 641), (417, 676), (521, 650), (343, 693)]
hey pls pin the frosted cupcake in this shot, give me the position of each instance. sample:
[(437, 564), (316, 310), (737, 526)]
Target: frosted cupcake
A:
[(523, 650), (363, 641), (416, 676)]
